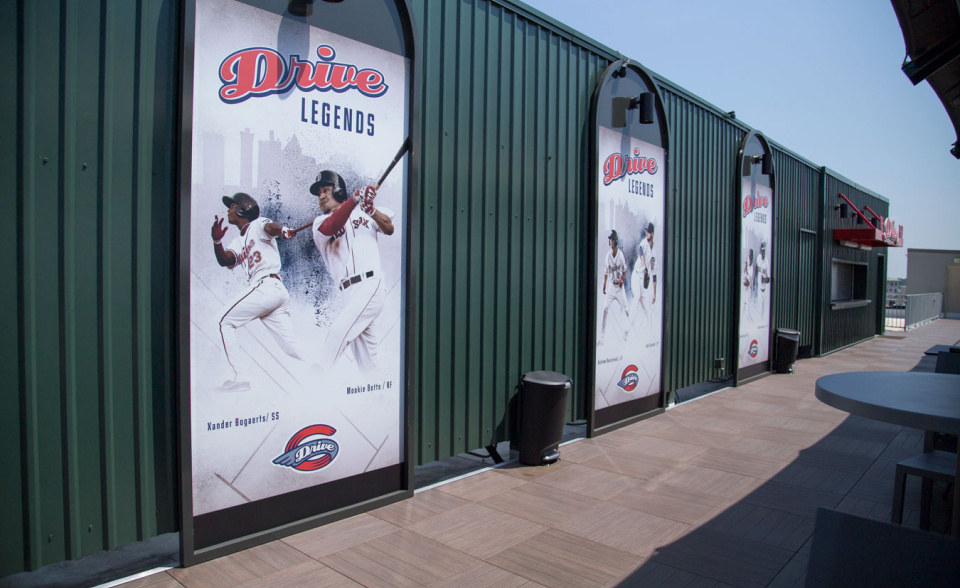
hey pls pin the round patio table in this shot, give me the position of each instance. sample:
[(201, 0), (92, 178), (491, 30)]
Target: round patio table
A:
[(920, 400)]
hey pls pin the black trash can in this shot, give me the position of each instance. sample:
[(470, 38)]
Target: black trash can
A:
[(543, 410), (787, 343)]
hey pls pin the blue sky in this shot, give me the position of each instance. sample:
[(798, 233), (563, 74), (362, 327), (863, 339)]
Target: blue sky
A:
[(832, 91)]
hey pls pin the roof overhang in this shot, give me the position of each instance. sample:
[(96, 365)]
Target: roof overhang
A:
[(931, 34)]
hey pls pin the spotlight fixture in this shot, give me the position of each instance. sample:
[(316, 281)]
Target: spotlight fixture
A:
[(732, 114), (644, 103), (620, 72), (766, 164)]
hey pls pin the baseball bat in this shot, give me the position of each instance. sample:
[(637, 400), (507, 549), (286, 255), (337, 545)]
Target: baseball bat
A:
[(403, 149)]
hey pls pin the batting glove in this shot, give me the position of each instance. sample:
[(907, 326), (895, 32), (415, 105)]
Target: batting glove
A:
[(287, 233)]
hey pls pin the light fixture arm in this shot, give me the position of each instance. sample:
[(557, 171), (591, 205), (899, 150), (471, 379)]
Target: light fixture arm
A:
[(857, 210)]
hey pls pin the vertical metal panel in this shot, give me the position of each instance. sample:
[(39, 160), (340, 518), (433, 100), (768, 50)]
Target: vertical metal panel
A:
[(503, 113), (43, 306), (94, 159), (12, 508), (796, 233), (843, 327), (701, 214), (81, 110)]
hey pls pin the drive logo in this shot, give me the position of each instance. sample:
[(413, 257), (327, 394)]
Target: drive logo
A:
[(752, 202), (754, 348), (617, 165), (310, 449), (629, 379), (260, 71)]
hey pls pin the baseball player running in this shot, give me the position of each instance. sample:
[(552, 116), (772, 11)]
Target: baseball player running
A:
[(266, 298), (614, 273), (346, 235), (644, 276)]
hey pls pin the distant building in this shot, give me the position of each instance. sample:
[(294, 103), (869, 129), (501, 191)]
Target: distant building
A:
[(936, 270), (896, 292)]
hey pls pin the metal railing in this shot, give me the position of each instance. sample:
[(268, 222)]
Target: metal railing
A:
[(920, 309)]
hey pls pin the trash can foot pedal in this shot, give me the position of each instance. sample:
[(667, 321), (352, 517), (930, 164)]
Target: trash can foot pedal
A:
[(494, 454)]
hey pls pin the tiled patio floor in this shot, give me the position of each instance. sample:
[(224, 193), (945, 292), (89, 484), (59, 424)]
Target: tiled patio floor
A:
[(721, 491)]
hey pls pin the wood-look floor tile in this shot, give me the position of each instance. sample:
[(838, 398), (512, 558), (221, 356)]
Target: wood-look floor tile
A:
[(814, 412), (581, 451), (709, 481), (403, 558), (588, 481), (529, 473), (737, 463), (343, 534), (799, 439), (809, 426), (478, 530), (678, 504), (421, 507), (655, 575), (766, 525), (541, 504), (158, 580), (240, 568), (774, 451), (481, 486), (712, 424), (793, 499), (626, 529), (484, 575), (816, 478), (725, 558), (620, 437), (794, 574), (636, 464), (312, 573), (676, 431), (554, 558), (663, 448)]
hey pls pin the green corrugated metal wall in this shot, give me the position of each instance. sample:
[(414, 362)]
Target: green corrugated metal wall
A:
[(501, 217), (88, 348), (796, 241), (701, 218), (88, 391)]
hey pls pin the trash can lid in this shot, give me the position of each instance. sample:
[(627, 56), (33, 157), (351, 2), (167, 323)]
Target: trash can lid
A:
[(788, 332), (547, 378)]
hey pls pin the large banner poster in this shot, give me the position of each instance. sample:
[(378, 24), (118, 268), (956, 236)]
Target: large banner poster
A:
[(296, 361), (754, 275), (629, 284)]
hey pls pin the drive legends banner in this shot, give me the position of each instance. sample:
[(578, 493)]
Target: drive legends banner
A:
[(295, 335), (755, 277), (630, 281)]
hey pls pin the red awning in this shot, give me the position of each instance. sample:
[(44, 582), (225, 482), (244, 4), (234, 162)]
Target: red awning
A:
[(869, 237)]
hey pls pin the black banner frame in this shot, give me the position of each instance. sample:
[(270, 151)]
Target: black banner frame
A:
[(748, 150), (344, 497), (614, 417)]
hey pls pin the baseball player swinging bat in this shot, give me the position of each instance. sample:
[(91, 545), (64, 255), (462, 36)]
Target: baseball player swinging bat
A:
[(403, 149)]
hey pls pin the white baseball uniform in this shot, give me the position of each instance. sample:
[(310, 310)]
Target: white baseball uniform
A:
[(615, 267), (763, 279), (642, 293), (352, 256), (266, 298)]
